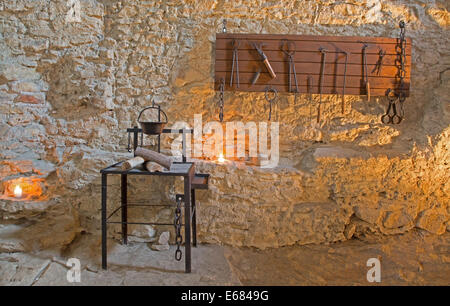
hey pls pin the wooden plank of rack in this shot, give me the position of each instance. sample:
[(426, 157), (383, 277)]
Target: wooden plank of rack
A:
[(380, 40), (307, 68), (303, 89), (354, 48), (328, 80), (308, 61), (314, 90), (310, 57)]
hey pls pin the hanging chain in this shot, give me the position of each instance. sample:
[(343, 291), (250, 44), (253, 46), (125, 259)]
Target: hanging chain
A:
[(401, 51), (177, 224), (402, 70), (221, 103), (399, 95)]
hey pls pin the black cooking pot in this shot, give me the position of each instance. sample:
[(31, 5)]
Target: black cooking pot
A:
[(152, 128)]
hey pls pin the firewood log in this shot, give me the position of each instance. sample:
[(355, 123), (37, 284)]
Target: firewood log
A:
[(131, 163), (149, 155), (153, 167)]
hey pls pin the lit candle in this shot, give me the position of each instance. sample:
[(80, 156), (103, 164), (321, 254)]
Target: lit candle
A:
[(18, 191), (221, 159)]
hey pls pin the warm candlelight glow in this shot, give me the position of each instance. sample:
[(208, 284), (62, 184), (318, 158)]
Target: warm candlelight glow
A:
[(24, 189), (18, 191), (221, 158)]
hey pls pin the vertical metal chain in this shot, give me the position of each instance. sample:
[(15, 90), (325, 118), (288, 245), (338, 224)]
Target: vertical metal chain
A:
[(177, 224), (396, 98), (401, 68), (221, 103)]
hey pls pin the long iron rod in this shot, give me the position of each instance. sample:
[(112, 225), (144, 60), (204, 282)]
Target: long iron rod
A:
[(322, 71), (124, 199), (343, 86), (104, 223), (139, 223)]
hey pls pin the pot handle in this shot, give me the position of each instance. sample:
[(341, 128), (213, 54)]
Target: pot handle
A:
[(154, 107)]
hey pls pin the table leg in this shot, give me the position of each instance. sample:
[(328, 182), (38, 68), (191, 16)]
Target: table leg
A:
[(187, 222), (104, 228), (124, 209), (194, 219)]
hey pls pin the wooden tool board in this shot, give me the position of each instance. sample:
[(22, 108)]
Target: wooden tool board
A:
[(308, 59)]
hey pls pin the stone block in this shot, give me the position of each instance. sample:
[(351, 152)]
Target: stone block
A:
[(29, 98), (433, 221), (24, 86)]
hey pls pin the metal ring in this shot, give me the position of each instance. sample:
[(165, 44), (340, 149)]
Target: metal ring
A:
[(271, 89), (178, 255), (383, 119), (398, 120)]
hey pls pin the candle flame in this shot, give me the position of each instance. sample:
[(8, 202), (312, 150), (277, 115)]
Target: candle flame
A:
[(18, 191)]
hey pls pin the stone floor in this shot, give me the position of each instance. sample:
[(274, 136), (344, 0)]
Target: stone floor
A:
[(416, 258)]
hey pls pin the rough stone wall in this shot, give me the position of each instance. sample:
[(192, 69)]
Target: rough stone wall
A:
[(69, 90)]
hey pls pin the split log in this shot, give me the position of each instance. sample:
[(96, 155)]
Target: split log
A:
[(132, 163), (153, 167), (149, 155)]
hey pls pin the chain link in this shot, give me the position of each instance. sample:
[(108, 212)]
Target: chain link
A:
[(221, 103), (177, 224)]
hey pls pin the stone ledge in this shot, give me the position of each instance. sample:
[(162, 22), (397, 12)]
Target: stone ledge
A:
[(339, 152), (16, 209), (47, 227)]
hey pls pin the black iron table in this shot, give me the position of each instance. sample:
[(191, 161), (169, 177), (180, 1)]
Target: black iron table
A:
[(192, 182)]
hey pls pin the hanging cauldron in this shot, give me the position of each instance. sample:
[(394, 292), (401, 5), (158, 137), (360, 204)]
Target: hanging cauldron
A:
[(153, 127)]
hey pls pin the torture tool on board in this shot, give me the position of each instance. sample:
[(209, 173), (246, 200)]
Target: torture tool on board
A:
[(269, 90), (366, 73), (391, 116), (309, 85), (379, 64), (264, 59), (235, 66), (322, 74)]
